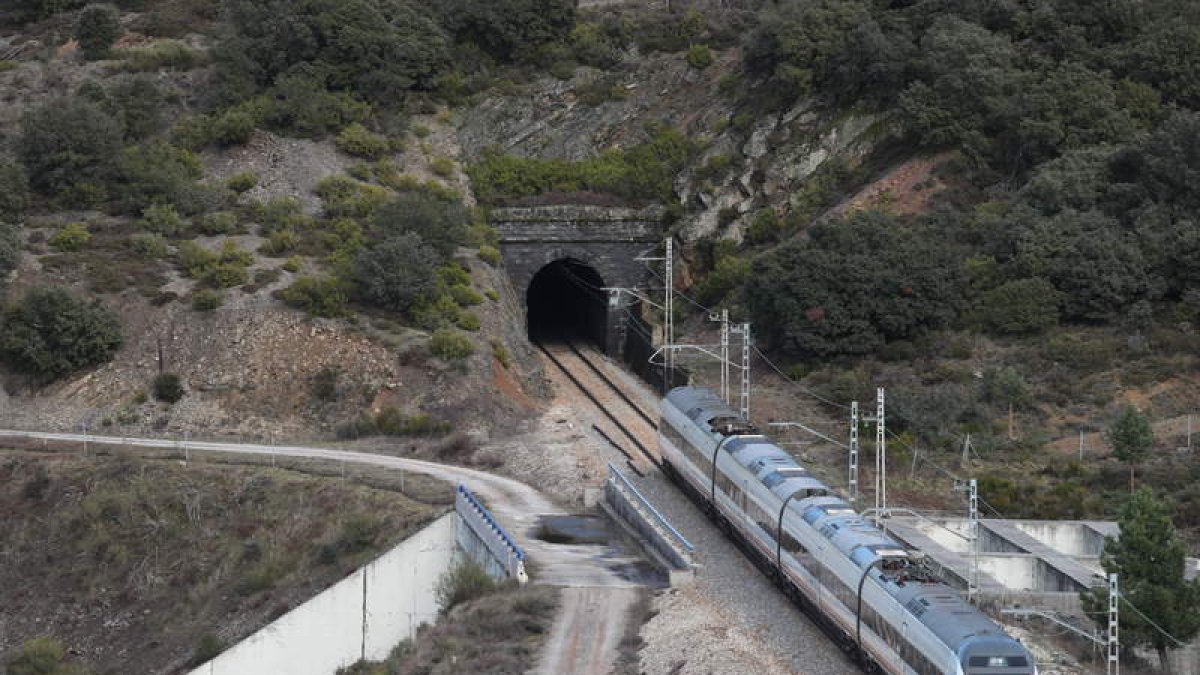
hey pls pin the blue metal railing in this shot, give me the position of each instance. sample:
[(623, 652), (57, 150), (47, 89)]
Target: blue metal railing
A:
[(614, 472), (487, 517)]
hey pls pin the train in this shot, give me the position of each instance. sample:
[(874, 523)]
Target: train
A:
[(870, 593)]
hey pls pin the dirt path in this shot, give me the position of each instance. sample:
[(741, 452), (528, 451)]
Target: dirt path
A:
[(588, 633)]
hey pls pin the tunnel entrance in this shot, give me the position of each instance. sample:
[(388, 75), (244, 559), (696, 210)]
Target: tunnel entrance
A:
[(566, 299)]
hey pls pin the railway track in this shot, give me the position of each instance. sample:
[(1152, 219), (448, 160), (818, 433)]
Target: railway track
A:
[(631, 422)]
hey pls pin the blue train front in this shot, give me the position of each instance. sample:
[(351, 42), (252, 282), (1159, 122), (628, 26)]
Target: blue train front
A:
[(865, 589)]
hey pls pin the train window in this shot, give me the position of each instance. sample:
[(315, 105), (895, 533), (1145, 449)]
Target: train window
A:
[(790, 544)]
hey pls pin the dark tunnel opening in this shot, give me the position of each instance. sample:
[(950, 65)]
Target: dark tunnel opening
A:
[(566, 300)]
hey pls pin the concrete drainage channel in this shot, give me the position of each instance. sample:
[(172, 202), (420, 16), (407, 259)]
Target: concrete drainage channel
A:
[(670, 550)]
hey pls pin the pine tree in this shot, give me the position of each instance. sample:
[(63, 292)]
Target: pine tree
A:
[(1149, 558), (1131, 438)]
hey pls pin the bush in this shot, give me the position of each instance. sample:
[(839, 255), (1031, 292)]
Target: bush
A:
[(397, 273), (699, 57), (440, 223), (280, 242), (225, 275), (1021, 306), (392, 422), (160, 173), (644, 171), (148, 244), (218, 222), (168, 388), (14, 190), (319, 296), (96, 28), (442, 167), (162, 219), (207, 300), (49, 333), (70, 147), (489, 254), (293, 264), (208, 648), (162, 55), (232, 127), (73, 237), (358, 141), (464, 582), (41, 656), (242, 182), (451, 345)]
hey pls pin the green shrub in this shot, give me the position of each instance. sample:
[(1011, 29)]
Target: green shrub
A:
[(319, 296), (392, 422), (14, 190), (492, 295), (451, 345), (500, 353), (357, 140), (396, 273), (1020, 307), (148, 244), (206, 300), (442, 167), (208, 648), (280, 242), (70, 147), (468, 321), (765, 228), (162, 55), (96, 28), (699, 56), (194, 258), (232, 127), (168, 388), (325, 384), (218, 222), (41, 656), (225, 275), (644, 171), (421, 131), (489, 254), (463, 582), (242, 182), (345, 197), (465, 296), (160, 173), (73, 237), (293, 264), (278, 213), (439, 222), (163, 219), (49, 333)]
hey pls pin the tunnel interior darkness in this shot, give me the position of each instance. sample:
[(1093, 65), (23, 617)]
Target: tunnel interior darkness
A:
[(566, 300)]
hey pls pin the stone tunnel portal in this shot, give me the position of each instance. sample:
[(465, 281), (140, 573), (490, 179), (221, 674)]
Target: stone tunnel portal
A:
[(566, 299)]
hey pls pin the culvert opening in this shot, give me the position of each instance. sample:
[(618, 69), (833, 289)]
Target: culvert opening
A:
[(566, 300)]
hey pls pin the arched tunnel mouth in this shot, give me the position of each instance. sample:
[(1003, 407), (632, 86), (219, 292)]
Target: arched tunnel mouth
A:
[(566, 300)]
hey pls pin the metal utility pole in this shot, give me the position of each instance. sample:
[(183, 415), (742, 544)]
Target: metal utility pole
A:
[(669, 320), (723, 318), (1113, 666), (880, 458), (966, 456), (745, 398), (853, 469), (973, 525)]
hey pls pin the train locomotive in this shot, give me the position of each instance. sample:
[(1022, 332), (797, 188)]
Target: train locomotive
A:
[(866, 589)]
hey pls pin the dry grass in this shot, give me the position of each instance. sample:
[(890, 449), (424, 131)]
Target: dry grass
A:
[(128, 557)]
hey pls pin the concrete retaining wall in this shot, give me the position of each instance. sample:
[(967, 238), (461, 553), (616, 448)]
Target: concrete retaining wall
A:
[(363, 616)]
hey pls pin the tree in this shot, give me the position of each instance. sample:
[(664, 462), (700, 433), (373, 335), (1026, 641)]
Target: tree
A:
[(50, 333), (96, 28), (1149, 558), (1007, 386), (397, 273), (508, 29), (69, 147), (1131, 437), (11, 245), (1019, 307), (14, 190), (439, 223)]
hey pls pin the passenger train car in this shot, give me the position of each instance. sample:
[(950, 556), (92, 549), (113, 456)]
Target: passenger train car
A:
[(863, 586)]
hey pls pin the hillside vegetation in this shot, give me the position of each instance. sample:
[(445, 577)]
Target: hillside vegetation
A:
[(150, 566)]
